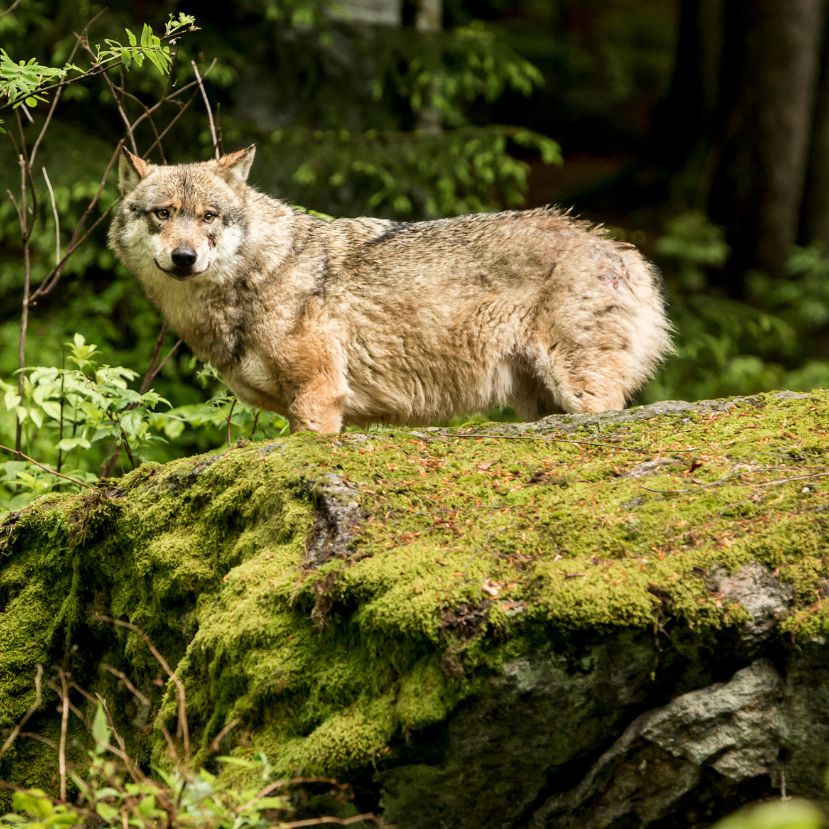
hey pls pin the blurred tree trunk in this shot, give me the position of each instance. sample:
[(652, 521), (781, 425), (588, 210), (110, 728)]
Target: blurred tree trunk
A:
[(741, 113), (429, 22), (815, 218)]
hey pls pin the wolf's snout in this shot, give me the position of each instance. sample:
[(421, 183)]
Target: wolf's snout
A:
[(184, 256)]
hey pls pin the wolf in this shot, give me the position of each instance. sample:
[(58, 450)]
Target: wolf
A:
[(354, 321)]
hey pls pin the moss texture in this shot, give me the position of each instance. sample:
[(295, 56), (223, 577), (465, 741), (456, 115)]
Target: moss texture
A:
[(336, 596)]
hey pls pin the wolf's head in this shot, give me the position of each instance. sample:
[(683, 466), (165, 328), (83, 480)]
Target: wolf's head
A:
[(181, 221)]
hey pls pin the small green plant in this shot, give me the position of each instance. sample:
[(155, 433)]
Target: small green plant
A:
[(110, 789), (67, 412), (78, 418)]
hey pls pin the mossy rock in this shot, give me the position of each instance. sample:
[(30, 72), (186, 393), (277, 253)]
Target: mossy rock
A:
[(462, 623)]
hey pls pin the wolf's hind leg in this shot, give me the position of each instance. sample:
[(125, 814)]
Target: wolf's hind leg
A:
[(313, 411), (583, 380)]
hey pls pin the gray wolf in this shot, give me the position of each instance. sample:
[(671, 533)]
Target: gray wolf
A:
[(355, 321)]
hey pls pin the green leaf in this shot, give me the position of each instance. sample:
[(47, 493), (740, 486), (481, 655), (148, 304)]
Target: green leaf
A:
[(68, 444), (100, 731), (33, 802), (107, 812)]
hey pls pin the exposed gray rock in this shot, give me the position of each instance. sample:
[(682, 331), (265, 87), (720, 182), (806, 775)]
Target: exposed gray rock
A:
[(764, 597), (733, 728)]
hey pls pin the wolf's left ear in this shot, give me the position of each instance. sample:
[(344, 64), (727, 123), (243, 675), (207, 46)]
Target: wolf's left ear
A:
[(131, 169), (235, 167)]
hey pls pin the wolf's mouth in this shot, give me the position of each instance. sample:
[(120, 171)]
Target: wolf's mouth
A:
[(182, 274)]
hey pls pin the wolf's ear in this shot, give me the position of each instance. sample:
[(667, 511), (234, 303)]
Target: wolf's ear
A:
[(131, 169), (235, 167)]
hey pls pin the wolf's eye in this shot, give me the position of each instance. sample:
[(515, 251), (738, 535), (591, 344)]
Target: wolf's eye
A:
[(162, 213), (208, 217)]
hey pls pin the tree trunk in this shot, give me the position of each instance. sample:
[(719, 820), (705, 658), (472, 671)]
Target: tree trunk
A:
[(737, 125), (768, 71), (429, 22), (815, 218)]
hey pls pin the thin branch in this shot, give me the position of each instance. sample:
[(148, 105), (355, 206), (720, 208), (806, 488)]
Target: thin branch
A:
[(96, 69), (15, 732), (152, 369), (25, 235), (180, 693), (122, 90), (216, 151), (25, 457), (547, 438), (731, 476), (172, 122), (214, 745), (789, 480), (11, 8), (336, 821), (64, 725), (51, 278), (126, 680), (54, 213), (59, 93), (229, 416), (118, 99), (167, 356)]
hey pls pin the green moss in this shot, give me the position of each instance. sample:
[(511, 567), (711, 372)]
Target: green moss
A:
[(468, 550)]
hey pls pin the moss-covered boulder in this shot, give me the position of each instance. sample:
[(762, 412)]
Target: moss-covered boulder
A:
[(610, 620)]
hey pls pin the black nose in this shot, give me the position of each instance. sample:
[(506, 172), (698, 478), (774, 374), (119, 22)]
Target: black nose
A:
[(184, 256)]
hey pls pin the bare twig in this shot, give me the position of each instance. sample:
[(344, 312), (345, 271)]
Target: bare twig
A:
[(128, 684), (118, 99), (150, 375), (335, 821), (789, 480), (51, 278), (152, 369), (48, 283), (54, 213), (228, 424), (53, 106), (15, 732), (547, 439), (11, 8), (216, 151), (25, 235), (25, 457), (214, 745), (180, 692), (163, 363), (64, 725), (731, 476)]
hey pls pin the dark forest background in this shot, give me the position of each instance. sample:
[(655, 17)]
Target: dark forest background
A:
[(697, 129)]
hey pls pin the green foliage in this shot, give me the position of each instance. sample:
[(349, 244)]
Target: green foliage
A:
[(27, 81), (20, 82), (74, 418), (781, 814), (727, 345), (150, 46), (110, 791)]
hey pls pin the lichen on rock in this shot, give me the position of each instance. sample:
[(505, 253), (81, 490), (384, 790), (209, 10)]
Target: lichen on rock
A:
[(392, 607)]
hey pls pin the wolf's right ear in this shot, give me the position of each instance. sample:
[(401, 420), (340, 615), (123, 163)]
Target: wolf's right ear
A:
[(131, 169)]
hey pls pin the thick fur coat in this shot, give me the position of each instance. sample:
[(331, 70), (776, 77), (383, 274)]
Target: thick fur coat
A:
[(354, 321)]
